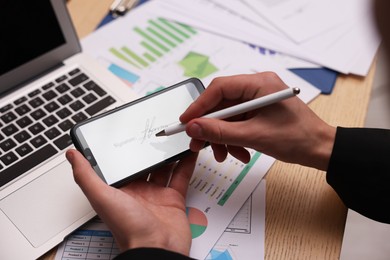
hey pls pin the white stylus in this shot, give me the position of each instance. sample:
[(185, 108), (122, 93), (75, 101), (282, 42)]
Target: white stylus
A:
[(237, 109)]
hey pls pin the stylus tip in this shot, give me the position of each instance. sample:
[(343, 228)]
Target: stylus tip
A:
[(161, 133)]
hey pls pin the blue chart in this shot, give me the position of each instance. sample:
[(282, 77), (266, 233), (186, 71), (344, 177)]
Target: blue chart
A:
[(89, 244), (220, 254), (133, 80), (128, 77)]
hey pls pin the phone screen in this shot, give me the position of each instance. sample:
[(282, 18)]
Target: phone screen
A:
[(122, 143)]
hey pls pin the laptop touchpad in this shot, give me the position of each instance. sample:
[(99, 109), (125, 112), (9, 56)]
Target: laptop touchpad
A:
[(47, 205)]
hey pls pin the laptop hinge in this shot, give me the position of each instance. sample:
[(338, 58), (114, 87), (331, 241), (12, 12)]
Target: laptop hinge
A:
[(24, 83)]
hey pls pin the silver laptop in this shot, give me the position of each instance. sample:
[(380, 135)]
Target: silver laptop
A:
[(47, 85)]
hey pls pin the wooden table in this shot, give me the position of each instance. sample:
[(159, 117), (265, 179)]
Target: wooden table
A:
[(304, 217)]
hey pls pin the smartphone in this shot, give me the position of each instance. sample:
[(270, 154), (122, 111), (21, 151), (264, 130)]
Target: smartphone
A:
[(121, 144)]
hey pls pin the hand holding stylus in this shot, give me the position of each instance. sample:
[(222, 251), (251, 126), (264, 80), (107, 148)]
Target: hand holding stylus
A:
[(237, 109), (287, 130)]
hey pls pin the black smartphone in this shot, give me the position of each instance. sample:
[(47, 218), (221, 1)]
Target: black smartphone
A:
[(121, 144)]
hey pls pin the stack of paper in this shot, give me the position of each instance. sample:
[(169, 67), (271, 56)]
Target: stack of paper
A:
[(339, 35)]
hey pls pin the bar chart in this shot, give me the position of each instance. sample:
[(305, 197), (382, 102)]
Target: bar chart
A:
[(158, 38), (219, 183)]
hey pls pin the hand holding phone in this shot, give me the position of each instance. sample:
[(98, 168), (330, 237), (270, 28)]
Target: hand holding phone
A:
[(121, 144)]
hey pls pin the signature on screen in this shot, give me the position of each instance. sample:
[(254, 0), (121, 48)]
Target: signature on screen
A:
[(148, 132)]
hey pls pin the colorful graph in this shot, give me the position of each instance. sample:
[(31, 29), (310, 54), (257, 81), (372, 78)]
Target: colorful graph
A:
[(155, 41), (238, 179), (220, 183), (198, 221), (128, 77), (197, 65), (219, 255)]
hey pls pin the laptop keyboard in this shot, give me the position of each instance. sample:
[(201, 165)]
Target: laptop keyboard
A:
[(36, 127)]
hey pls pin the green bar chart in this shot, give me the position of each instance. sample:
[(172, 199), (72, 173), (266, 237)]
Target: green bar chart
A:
[(238, 180), (197, 65), (155, 40)]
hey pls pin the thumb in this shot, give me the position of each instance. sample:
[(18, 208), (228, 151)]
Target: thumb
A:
[(84, 175), (217, 131)]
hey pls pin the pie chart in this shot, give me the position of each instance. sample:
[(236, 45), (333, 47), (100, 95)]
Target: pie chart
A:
[(198, 221)]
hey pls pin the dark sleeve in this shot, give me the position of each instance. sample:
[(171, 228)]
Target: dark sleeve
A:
[(359, 171), (150, 253)]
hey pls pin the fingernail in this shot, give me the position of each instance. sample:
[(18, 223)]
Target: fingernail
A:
[(195, 130), (69, 156)]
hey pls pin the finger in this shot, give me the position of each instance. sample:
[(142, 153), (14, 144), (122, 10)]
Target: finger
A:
[(182, 174), (240, 153), (197, 145), (217, 92), (162, 175), (89, 182), (227, 91), (220, 151), (219, 131)]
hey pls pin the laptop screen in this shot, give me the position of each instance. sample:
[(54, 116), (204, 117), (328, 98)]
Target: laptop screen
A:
[(25, 32), (35, 36)]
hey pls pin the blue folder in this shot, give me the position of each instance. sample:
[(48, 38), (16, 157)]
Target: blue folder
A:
[(322, 78)]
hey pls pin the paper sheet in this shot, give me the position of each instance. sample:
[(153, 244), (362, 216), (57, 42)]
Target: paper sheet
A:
[(336, 49), (364, 238), (217, 193), (301, 20), (122, 47), (92, 241), (242, 239)]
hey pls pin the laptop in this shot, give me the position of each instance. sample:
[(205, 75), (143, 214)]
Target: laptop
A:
[(47, 85)]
